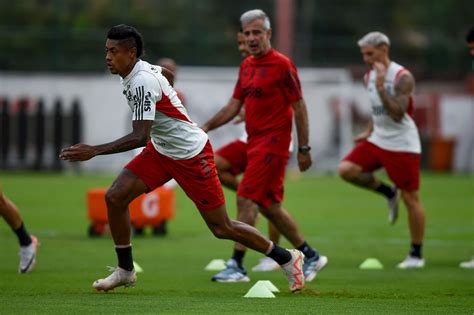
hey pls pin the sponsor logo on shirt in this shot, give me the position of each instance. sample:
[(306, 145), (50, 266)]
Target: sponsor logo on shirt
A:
[(147, 106), (378, 110), (252, 91)]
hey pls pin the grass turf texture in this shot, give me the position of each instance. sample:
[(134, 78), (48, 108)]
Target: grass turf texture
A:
[(345, 223)]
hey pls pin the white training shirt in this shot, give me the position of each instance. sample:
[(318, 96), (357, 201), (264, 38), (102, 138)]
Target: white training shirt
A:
[(387, 133), (151, 97)]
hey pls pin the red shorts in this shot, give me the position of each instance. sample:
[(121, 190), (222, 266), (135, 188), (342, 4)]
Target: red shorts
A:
[(403, 168), (236, 154), (196, 176), (263, 178)]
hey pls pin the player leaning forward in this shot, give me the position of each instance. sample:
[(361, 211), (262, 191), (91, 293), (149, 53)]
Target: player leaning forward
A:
[(177, 149), (391, 141)]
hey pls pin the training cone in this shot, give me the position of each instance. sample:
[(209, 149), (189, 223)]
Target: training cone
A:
[(270, 286), (137, 267), (259, 290), (216, 265), (371, 263)]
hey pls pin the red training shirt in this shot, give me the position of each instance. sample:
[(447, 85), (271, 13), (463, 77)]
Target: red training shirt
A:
[(267, 86)]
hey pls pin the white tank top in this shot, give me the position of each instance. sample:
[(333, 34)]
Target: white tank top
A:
[(388, 134)]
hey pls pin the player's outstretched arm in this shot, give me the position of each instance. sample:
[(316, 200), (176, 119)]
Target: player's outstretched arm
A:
[(226, 114), (137, 138)]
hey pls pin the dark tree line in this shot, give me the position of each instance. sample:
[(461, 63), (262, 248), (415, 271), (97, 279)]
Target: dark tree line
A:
[(68, 35)]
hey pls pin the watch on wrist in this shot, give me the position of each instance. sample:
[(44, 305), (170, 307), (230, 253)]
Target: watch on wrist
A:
[(304, 149)]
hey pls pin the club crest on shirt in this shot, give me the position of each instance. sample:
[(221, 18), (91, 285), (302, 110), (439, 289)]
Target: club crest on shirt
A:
[(128, 95)]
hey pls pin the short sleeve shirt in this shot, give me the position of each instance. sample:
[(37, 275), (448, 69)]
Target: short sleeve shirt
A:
[(151, 97), (268, 86)]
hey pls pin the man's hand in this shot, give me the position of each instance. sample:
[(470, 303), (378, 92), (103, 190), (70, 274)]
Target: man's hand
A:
[(304, 161), (381, 72), (78, 152)]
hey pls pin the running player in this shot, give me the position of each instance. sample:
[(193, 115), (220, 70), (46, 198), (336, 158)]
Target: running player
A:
[(391, 141), (177, 149), (269, 87)]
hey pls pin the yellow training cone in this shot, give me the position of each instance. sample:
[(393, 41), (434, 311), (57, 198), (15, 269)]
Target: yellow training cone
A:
[(259, 290), (216, 265), (371, 263), (137, 267), (270, 286)]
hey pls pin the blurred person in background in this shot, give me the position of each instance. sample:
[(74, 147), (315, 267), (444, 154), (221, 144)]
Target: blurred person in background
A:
[(170, 64), (28, 242), (470, 44), (177, 149), (268, 85), (231, 161), (391, 141)]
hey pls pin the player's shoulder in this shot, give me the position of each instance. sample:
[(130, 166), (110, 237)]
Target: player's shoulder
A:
[(283, 60), (246, 61), (400, 71), (280, 56), (144, 77)]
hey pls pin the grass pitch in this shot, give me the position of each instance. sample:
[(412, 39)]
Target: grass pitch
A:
[(345, 223)]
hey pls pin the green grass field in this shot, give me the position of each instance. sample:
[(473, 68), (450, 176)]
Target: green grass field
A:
[(345, 223)]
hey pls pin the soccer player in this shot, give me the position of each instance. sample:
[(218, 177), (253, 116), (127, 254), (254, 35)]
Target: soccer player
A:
[(269, 87), (391, 141), (177, 149), (231, 161), (470, 44), (28, 242)]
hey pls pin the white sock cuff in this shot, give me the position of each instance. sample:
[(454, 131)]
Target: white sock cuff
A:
[(269, 248), (123, 246)]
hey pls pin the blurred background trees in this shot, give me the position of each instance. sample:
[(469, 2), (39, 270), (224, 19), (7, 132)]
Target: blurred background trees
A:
[(68, 35)]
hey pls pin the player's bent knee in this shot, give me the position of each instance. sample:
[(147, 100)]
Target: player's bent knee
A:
[(114, 197), (221, 231), (347, 171)]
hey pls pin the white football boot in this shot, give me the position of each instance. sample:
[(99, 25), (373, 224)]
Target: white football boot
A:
[(411, 262), (28, 256), (393, 206), (119, 277), (467, 264), (294, 270)]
